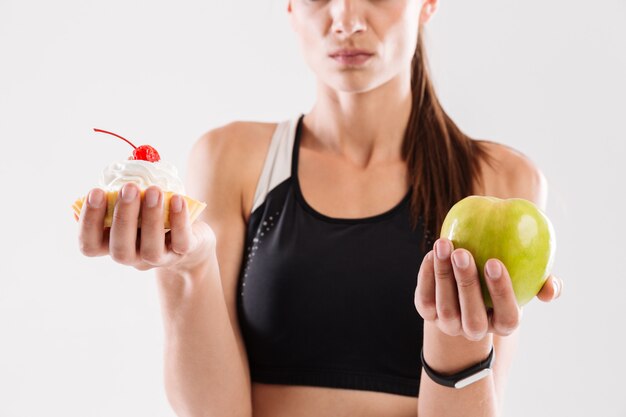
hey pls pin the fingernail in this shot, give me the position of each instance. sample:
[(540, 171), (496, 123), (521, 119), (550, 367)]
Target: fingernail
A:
[(494, 270), (460, 259), (442, 250), (176, 204), (129, 192), (151, 197), (95, 198), (555, 285)]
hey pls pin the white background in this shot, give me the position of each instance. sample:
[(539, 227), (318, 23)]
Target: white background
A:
[(82, 337)]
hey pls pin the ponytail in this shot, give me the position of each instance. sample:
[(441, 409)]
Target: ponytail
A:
[(443, 163)]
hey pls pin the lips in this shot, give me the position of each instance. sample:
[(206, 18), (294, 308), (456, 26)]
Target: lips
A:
[(351, 57), (349, 53)]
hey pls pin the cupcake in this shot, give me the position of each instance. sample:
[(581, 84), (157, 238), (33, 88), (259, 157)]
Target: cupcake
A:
[(144, 168)]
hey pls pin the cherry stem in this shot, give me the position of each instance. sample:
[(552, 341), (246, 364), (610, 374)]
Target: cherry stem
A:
[(115, 134)]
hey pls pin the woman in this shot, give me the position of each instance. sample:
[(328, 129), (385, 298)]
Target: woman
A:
[(331, 214)]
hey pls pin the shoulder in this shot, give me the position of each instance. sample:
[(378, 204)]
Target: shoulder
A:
[(226, 161), (233, 142), (508, 173)]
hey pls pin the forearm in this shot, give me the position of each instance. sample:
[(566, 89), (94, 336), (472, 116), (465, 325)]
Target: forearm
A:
[(204, 374), (449, 355)]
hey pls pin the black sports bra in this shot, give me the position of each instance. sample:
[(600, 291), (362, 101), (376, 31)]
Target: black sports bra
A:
[(325, 301)]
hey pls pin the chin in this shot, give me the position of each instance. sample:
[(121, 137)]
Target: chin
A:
[(351, 82)]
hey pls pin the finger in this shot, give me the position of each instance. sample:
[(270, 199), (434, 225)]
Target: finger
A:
[(551, 289), (123, 237), (473, 312), (506, 312), (446, 296), (425, 290), (152, 245), (181, 237), (91, 224)]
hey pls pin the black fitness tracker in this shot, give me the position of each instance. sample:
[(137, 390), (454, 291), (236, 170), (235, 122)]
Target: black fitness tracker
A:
[(463, 378)]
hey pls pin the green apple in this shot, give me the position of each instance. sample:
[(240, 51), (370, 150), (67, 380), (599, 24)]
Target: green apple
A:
[(514, 231)]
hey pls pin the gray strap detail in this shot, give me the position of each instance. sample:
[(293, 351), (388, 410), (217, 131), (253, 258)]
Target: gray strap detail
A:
[(277, 166)]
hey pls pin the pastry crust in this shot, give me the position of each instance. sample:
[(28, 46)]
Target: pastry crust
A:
[(193, 206)]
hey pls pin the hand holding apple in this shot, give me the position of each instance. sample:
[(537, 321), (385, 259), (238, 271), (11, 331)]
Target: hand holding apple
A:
[(449, 294), (449, 290)]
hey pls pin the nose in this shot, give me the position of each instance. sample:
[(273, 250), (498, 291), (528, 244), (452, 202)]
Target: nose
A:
[(347, 17)]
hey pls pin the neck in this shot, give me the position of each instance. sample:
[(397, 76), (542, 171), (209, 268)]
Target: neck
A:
[(365, 128)]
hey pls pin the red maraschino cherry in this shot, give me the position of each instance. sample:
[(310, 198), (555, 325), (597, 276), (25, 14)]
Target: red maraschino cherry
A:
[(142, 153)]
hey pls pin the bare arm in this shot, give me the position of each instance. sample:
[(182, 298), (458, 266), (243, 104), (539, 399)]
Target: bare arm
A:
[(457, 333), (199, 336), (206, 369), (197, 265), (204, 375)]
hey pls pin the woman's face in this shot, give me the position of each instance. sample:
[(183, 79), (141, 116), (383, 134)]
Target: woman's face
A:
[(358, 45)]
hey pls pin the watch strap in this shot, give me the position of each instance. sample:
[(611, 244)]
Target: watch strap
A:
[(463, 378)]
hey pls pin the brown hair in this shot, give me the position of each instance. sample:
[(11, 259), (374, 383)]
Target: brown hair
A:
[(442, 161)]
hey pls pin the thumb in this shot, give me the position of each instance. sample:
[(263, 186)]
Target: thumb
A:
[(551, 289)]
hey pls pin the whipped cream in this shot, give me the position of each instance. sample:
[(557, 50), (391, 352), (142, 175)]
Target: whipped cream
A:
[(143, 173)]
